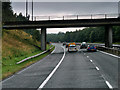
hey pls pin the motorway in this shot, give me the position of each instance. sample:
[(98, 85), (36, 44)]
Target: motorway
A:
[(61, 69)]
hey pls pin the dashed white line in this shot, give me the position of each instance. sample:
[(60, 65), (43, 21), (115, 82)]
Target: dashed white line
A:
[(51, 74), (109, 85), (91, 61), (87, 56), (97, 68), (94, 65)]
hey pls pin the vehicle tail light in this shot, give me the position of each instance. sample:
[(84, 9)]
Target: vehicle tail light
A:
[(94, 47), (88, 47)]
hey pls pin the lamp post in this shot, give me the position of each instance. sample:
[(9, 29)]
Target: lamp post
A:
[(119, 9), (26, 8), (32, 10)]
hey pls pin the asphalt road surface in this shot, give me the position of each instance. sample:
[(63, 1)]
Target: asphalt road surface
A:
[(61, 69)]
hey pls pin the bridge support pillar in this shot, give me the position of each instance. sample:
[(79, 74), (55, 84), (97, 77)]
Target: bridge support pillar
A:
[(43, 39), (108, 36)]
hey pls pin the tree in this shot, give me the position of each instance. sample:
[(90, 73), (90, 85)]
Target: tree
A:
[(92, 34), (7, 12), (20, 17), (7, 15)]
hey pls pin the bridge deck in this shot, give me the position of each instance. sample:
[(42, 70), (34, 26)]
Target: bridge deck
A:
[(61, 23)]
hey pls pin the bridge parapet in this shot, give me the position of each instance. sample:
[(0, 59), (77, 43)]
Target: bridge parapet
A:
[(109, 50), (73, 17)]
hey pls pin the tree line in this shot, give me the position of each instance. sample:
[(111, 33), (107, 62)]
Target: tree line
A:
[(90, 34), (9, 15)]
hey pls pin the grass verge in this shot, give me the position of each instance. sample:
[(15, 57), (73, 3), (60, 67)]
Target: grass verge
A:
[(11, 67)]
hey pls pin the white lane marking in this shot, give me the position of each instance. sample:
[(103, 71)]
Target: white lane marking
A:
[(87, 56), (97, 68), (53, 51), (51, 74), (109, 54), (30, 66), (8, 78), (109, 85), (84, 53), (91, 61), (23, 70), (94, 65)]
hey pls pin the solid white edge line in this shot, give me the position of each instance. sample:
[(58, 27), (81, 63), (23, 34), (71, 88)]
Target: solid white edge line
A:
[(51, 74), (97, 68), (53, 51), (7, 79), (108, 84), (109, 54)]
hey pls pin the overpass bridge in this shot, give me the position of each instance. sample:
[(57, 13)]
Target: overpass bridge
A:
[(107, 22)]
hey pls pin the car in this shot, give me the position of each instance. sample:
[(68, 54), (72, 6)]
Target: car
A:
[(72, 48), (91, 48), (83, 45)]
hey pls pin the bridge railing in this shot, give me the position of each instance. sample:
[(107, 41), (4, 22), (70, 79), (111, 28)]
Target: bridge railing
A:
[(70, 17)]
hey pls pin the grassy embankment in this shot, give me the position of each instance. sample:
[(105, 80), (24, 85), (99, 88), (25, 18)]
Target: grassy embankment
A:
[(18, 45)]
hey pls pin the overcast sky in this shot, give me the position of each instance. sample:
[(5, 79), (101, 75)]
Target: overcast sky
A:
[(66, 8)]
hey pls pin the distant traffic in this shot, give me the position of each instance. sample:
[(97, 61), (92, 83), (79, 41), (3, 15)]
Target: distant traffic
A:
[(74, 47)]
